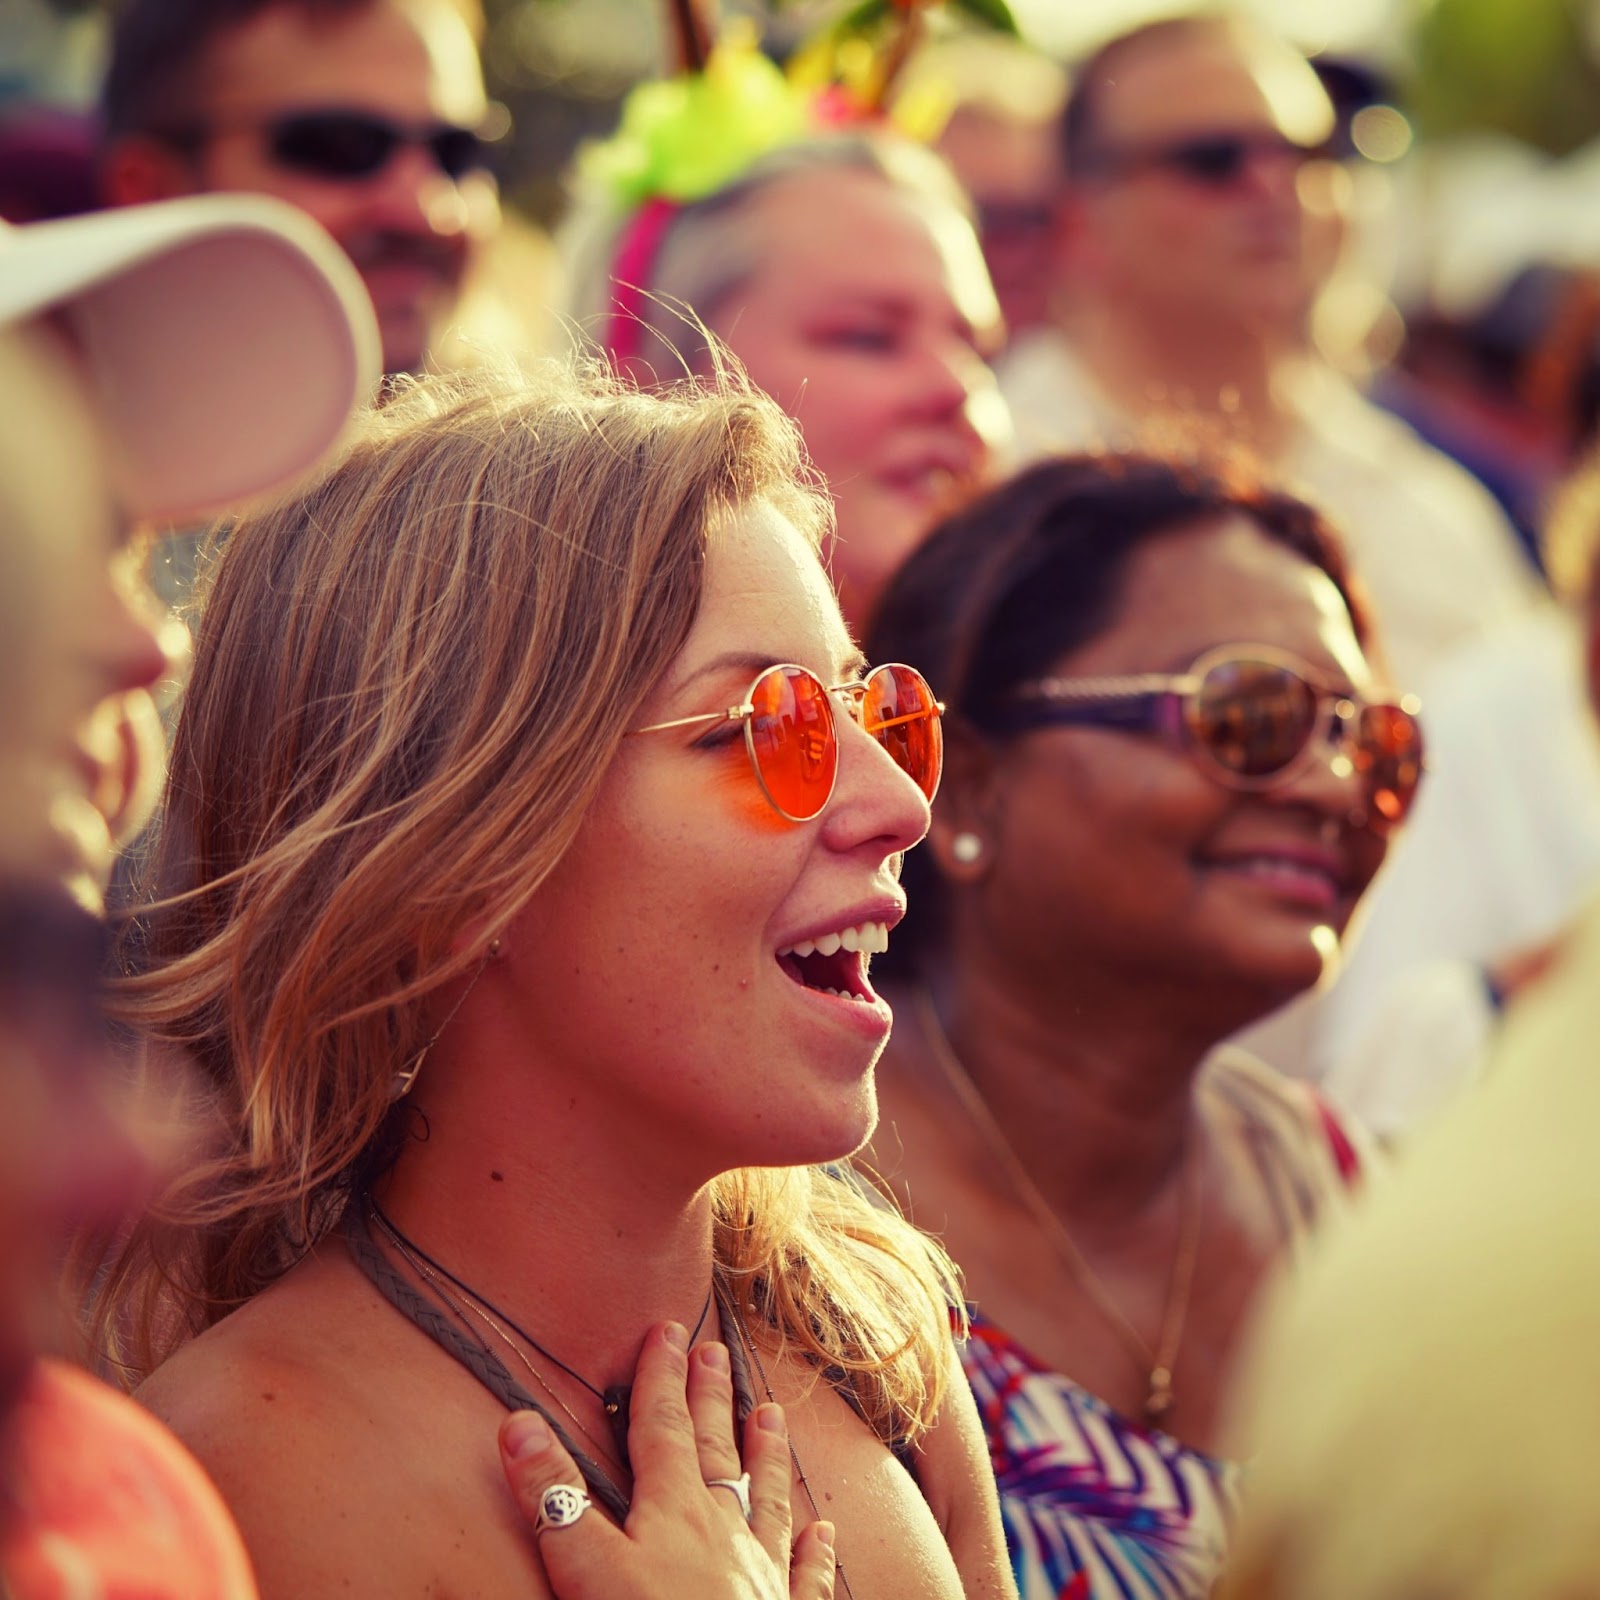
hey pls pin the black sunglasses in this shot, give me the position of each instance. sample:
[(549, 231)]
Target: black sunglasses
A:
[(350, 146), (1216, 161)]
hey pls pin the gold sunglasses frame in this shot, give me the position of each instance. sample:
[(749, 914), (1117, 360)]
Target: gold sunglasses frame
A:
[(854, 694)]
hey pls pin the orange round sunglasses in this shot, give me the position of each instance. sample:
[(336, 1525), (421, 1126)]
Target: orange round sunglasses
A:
[(792, 738)]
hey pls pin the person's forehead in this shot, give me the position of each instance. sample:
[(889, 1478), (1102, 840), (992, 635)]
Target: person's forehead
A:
[(838, 212), (1211, 80), (765, 587), (840, 231), (1001, 158), (1225, 579), (59, 526), (410, 58)]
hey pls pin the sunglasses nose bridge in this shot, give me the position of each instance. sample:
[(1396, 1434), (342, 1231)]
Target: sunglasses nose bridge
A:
[(1328, 771), (1338, 731), (853, 697)]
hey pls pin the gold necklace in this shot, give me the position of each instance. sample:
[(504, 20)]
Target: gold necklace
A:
[(1157, 1362), (749, 1346)]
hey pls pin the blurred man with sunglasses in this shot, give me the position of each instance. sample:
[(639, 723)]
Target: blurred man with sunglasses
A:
[(1200, 220), (366, 114)]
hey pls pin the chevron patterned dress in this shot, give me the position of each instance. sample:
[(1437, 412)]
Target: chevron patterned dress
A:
[(1094, 1507), (1097, 1507)]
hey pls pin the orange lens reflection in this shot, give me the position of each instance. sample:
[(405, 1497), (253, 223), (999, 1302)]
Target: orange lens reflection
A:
[(792, 741), (1254, 717), (899, 711), (1389, 758)]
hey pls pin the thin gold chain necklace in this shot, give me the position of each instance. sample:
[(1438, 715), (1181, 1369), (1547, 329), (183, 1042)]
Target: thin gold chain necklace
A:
[(1157, 1363), (460, 1305), (749, 1345)]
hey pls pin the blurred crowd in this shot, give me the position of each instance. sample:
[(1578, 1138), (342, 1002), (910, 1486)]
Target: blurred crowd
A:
[(875, 879)]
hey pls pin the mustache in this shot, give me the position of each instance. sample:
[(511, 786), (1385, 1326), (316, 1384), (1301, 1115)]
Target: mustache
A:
[(388, 249)]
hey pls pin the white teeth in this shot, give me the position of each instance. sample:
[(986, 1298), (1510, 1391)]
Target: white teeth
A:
[(867, 938)]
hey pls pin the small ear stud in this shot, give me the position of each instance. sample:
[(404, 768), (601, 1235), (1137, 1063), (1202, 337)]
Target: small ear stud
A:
[(494, 949), (966, 848)]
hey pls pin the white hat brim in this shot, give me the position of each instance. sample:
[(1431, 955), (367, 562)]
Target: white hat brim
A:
[(229, 339)]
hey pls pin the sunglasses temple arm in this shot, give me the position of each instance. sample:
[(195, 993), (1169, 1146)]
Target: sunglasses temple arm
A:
[(732, 714)]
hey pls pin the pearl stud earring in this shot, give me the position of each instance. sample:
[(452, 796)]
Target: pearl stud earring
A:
[(966, 848)]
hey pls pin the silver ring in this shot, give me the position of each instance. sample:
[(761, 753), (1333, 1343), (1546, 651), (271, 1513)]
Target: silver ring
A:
[(560, 1506), (741, 1490)]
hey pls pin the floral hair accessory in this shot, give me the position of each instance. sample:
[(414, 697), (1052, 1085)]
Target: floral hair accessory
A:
[(685, 138)]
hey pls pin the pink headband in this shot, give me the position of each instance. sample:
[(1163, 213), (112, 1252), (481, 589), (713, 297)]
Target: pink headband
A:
[(631, 273)]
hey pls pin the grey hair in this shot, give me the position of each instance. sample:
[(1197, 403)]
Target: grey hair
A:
[(710, 248)]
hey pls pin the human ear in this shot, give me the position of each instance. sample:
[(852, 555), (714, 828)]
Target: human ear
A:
[(475, 939)]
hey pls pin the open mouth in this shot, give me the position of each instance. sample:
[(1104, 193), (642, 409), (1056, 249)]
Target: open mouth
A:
[(836, 963)]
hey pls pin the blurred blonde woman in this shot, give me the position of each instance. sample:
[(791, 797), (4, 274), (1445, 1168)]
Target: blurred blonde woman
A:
[(529, 977), (844, 272)]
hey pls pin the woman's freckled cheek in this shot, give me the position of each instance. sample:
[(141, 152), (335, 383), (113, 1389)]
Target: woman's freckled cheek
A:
[(739, 789)]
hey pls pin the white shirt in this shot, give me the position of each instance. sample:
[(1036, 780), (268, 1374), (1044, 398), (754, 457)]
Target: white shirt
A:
[(1430, 545), (1502, 851)]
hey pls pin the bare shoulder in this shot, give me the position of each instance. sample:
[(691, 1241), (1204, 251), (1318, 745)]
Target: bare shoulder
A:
[(267, 1415), (312, 1416), (957, 1479), (226, 1382), (898, 1534)]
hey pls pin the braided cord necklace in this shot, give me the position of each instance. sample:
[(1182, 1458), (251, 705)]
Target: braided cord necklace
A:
[(462, 1306), (477, 1357), (613, 1399), (1156, 1362), (474, 1354)]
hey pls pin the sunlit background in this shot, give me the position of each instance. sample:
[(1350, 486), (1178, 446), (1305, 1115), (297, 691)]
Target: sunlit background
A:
[(1486, 113)]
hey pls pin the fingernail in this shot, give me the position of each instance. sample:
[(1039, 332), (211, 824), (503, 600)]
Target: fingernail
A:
[(770, 1419), (527, 1434), (676, 1335), (714, 1356), (825, 1533)]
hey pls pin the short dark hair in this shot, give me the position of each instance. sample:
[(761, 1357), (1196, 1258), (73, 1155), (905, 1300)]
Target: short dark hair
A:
[(1081, 116), (1034, 569), (158, 49)]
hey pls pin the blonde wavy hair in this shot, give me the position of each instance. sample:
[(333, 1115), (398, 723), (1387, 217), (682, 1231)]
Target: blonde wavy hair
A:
[(409, 682)]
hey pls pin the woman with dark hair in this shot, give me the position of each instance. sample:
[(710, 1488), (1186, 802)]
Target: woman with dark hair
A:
[(1170, 775)]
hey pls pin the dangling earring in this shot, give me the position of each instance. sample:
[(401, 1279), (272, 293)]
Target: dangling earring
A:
[(966, 848), (406, 1077)]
